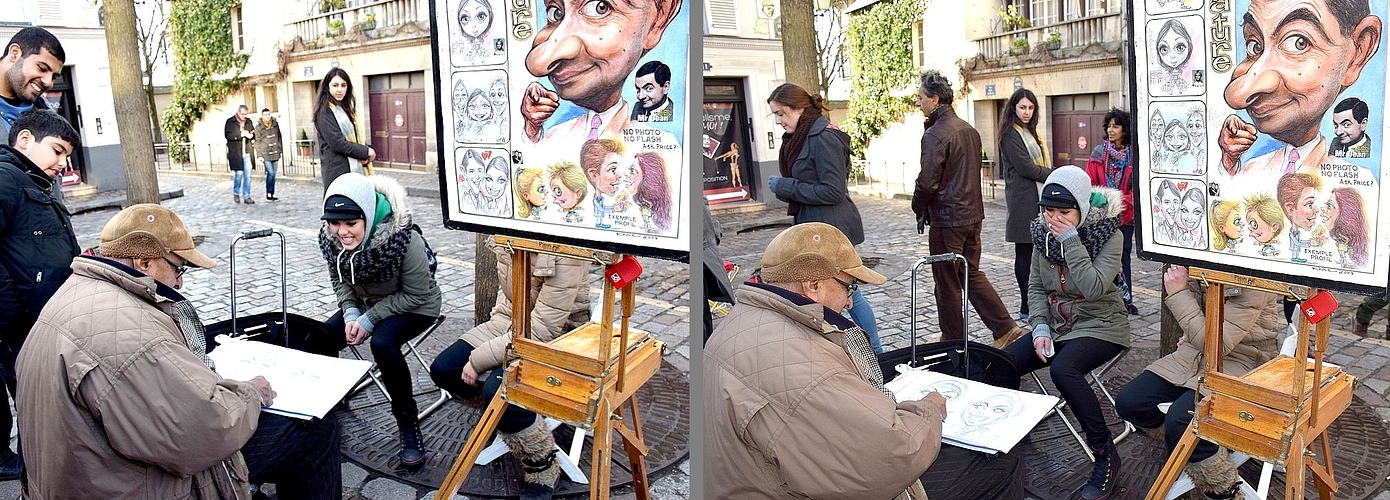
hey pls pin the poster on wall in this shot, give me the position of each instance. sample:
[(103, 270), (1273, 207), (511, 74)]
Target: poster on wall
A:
[(565, 121), (1255, 138), (724, 164)]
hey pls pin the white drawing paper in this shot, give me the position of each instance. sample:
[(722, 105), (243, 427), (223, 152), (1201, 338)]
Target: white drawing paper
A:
[(306, 385), (979, 416)]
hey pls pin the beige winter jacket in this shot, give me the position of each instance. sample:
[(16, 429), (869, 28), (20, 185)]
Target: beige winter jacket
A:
[(559, 291), (788, 414), (1249, 334), (113, 404)]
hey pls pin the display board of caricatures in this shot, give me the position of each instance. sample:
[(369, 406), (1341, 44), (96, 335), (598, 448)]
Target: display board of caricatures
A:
[(566, 121), (1256, 140)]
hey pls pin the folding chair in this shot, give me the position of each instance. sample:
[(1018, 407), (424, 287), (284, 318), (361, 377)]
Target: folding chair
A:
[(566, 459), (375, 373), (1095, 376)]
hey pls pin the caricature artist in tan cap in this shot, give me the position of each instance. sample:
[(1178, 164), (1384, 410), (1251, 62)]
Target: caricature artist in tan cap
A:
[(118, 399), (794, 399)]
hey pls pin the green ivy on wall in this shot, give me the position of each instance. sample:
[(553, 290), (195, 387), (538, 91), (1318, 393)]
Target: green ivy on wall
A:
[(880, 45), (202, 40)]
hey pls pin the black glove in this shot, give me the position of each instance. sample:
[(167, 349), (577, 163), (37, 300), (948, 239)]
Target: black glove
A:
[(923, 220)]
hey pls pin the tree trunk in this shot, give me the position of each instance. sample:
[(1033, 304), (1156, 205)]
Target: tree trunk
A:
[(132, 111), (1169, 333), (799, 44), (485, 283)]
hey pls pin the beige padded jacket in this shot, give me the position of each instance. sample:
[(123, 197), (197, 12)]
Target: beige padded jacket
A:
[(559, 291)]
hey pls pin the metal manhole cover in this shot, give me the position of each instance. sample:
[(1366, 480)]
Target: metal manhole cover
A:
[(1056, 467), (370, 438)]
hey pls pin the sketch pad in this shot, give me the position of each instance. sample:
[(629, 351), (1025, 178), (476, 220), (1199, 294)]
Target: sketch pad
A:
[(306, 385), (979, 416)]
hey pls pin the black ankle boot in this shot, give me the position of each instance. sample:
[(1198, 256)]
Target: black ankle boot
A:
[(412, 446), (1104, 475), (11, 465)]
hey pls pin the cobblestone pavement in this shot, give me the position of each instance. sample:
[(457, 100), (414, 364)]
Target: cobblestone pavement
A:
[(891, 237), (662, 308)]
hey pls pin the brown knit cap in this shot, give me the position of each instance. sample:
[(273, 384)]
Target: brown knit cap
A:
[(149, 231), (814, 251)]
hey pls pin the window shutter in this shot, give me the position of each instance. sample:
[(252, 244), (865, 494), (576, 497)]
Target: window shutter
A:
[(723, 15)]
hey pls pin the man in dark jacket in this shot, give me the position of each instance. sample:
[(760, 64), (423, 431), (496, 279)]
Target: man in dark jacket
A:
[(268, 144), (947, 197), (36, 243), (240, 133)]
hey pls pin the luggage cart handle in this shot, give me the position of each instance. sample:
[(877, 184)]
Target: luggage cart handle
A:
[(965, 303), (259, 233)]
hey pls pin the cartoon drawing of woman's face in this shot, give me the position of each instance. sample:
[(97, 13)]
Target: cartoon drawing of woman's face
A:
[(1175, 138), (1174, 46), (1197, 127), (1233, 225), (536, 193), (1168, 201), (1260, 229), (1156, 125), (1190, 213), (988, 410), (473, 170), (1330, 211), (632, 174), (495, 179), (497, 93), (475, 17), (479, 107), (460, 98), (563, 196)]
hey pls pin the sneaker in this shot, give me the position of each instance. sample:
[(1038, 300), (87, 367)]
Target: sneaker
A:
[(412, 446), (271, 197), (236, 199), (247, 200), (1105, 474)]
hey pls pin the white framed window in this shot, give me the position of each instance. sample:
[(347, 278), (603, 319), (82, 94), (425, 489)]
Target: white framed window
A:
[(919, 49), (1042, 12)]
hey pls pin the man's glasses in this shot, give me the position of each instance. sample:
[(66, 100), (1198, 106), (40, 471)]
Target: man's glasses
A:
[(849, 287), (179, 270)]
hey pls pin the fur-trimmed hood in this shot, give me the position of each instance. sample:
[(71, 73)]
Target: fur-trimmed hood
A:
[(1113, 207)]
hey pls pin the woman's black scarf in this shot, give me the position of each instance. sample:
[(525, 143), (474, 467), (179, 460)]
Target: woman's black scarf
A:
[(1093, 235), (791, 147)]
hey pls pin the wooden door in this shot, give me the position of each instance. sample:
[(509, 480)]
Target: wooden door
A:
[(1074, 134), (398, 127)]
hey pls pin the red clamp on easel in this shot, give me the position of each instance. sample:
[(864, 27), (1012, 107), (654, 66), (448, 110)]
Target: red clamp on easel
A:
[(624, 271), (1319, 306)]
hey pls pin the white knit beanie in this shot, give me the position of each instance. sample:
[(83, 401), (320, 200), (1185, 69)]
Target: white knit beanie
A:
[(1073, 179)]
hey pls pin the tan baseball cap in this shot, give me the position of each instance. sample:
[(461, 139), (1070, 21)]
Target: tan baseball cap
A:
[(814, 251), (149, 231)]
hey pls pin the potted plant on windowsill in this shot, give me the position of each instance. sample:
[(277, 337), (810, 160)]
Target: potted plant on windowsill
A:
[(335, 27), (1053, 41), (304, 144), (1019, 47), (368, 22)]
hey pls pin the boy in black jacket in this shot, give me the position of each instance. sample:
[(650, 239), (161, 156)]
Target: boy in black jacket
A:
[(36, 243)]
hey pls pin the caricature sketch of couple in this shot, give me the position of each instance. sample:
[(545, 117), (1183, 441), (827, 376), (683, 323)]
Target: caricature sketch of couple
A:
[(1180, 214), (631, 191), (553, 194), (480, 115), (1331, 229), (1178, 146), (1174, 65), (484, 182)]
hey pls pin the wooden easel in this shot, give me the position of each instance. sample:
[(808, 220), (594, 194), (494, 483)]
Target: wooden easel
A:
[(584, 377), (1273, 413)]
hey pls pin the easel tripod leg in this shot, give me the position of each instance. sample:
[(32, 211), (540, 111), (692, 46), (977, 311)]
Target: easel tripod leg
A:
[(600, 460), (636, 450), (1295, 469), (1176, 461), (477, 440)]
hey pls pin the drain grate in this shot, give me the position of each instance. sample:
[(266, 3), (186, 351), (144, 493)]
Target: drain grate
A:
[(370, 438)]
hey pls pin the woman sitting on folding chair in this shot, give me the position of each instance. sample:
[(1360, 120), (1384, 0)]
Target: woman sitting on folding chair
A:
[(381, 274), (559, 294), (1250, 332), (1076, 311)]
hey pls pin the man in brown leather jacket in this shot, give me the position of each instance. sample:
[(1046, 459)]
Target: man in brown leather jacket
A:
[(947, 197)]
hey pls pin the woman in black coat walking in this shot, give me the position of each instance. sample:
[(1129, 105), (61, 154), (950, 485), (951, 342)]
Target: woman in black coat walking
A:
[(814, 163), (342, 148), (1025, 162)]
